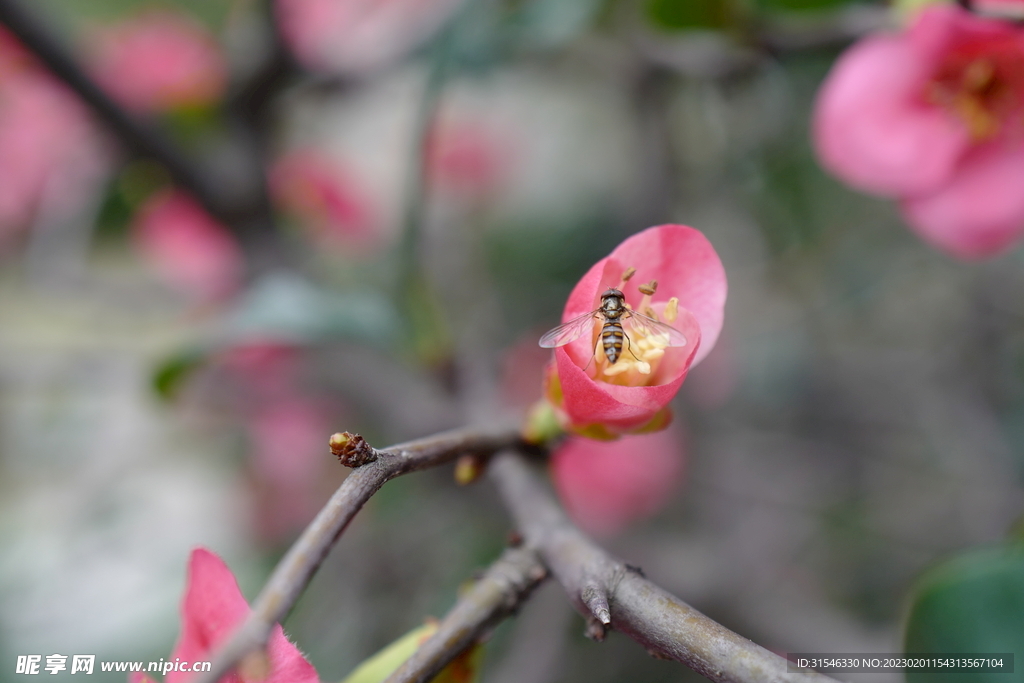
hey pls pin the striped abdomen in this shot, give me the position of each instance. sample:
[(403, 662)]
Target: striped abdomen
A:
[(611, 339)]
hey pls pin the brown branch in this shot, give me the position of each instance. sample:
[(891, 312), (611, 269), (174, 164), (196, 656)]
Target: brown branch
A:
[(611, 594), (295, 570), (496, 595)]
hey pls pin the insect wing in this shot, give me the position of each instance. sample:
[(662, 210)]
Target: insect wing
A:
[(652, 328), (567, 332)]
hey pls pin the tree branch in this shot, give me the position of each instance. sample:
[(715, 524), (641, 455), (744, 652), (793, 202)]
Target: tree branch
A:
[(496, 595), (609, 593), (295, 570)]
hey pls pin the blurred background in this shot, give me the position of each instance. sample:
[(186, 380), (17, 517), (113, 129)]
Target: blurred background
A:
[(269, 222)]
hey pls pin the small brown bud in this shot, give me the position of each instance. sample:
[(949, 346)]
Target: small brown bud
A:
[(630, 272), (352, 449)]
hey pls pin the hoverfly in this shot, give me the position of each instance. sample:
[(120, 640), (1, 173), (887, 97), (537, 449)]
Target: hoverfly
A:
[(617, 316)]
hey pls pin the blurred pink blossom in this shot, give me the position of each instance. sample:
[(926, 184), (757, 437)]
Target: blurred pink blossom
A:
[(188, 249), (353, 36), (158, 60), (46, 137), (466, 157), (289, 459), (326, 198), (265, 370), (287, 430), (934, 116), (606, 485)]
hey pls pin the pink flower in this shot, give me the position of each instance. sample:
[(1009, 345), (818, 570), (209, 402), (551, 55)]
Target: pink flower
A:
[(595, 398), (289, 460), (934, 116), (188, 249), (212, 609), (355, 36), (466, 157), (325, 198), (606, 485), (265, 370), (159, 60), (49, 150)]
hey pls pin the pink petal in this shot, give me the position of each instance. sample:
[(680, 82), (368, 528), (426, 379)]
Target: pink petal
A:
[(941, 28), (358, 35), (159, 60), (212, 608), (188, 248), (44, 132), (606, 485), (326, 198), (872, 127), (621, 408), (980, 212), (683, 262), (685, 266)]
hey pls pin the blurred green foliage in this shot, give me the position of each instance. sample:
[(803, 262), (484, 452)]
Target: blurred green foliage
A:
[(973, 603)]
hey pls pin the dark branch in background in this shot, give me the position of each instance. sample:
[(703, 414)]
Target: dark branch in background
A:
[(830, 30), (139, 138), (496, 595), (295, 570), (253, 97), (246, 210), (611, 594)]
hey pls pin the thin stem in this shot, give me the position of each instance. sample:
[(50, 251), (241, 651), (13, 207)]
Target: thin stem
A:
[(415, 183), (611, 594), (295, 570), (495, 596)]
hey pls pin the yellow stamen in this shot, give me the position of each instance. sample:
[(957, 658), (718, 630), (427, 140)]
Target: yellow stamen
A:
[(630, 272), (671, 311), (617, 369), (649, 289)]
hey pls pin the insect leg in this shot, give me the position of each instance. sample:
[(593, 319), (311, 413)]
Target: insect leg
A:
[(597, 349), (629, 347)]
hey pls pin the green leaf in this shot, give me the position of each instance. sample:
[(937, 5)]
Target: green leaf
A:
[(173, 371), (381, 665), (802, 5), (973, 603), (680, 15)]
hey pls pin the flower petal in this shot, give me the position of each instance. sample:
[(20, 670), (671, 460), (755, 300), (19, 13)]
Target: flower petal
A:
[(872, 127), (622, 408), (212, 608), (606, 485), (683, 262), (981, 211)]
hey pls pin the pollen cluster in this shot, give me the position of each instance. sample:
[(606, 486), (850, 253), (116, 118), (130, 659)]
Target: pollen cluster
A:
[(982, 84), (644, 347)]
